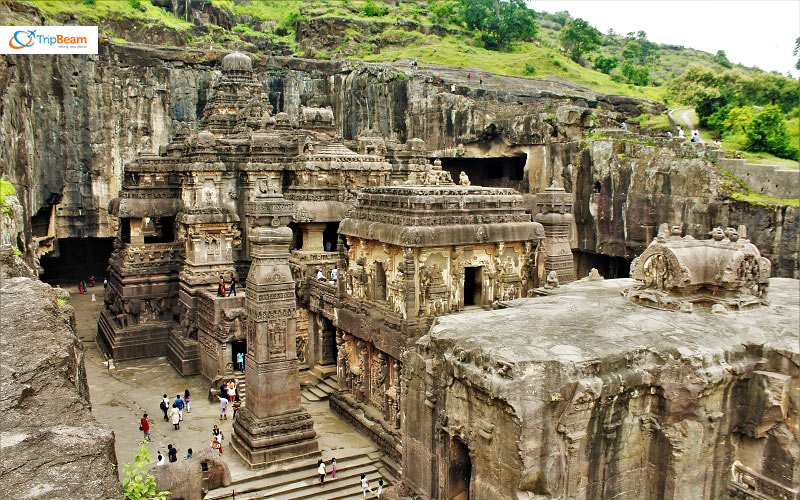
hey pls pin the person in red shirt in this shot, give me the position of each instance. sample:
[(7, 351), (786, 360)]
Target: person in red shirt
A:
[(145, 427)]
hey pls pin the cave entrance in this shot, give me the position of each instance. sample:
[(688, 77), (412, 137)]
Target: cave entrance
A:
[(473, 289), (238, 346), (609, 267), (496, 171), (75, 259), (459, 471)]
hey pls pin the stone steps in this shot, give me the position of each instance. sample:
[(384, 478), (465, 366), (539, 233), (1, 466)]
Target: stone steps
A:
[(319, 391), (299, 480)]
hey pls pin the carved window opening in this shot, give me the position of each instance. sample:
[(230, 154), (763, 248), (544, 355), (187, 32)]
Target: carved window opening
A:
[(473, 286), (125, 229), (459, 470), (597, 186), (297, 236), (330, 236), (380, 282), (159, 230)]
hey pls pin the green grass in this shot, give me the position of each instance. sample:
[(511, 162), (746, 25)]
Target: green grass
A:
[(6, 189), (736, 142), (99, 9), (737, 185), (659, 123)]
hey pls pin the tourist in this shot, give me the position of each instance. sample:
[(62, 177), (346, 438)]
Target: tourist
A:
[(223, 407), (380, 488), (453, 88), (333, 468), (233, 287), (334, 275), (105, 282), (320, 275), (240, 361), (160, 460), (217, 434), (480, 79), (365, 485), (231, 390), (221, 287), (236, 405), (669, 134), (216, 445), (91, 281), (187, 399), (80, 287), (165, 406), (223, 388), (695, 136), (145, 427), (172, 452), (321, 472), (179, 405), (441, 81), (188, 454), (681, 135), (717, 143), (624, 126), (174, 417), (469, 76)]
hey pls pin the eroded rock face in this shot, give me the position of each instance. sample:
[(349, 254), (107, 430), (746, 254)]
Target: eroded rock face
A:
[(583, 395), (52, 447)]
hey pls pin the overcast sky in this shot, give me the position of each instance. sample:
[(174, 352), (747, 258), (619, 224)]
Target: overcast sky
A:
[(751, 32)]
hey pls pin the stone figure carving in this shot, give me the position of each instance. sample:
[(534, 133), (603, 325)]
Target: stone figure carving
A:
[(192, 479), (463, 179), (552, 280)]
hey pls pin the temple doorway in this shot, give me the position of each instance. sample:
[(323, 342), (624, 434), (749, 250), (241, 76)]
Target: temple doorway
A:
[(237, 346), (380, 282), (473, 280), (459, 471)]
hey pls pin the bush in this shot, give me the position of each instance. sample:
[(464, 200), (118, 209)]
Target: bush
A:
[(529, 70), (605, 64), (138, 483), (136, 4), (636, 75), (371, 10), (767, 132)]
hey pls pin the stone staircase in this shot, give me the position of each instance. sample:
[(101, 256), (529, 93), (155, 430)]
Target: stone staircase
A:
[(319, 391), (299, 480)]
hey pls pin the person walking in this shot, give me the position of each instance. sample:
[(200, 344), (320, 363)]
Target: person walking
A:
[(187, 400), (333, 468), (179, 405), (172, 452), (144, 426), (217, 434), (453, 88), (365, 485), (105, 282), (174, 417), (469, 76), (160, 460), (221, 287), (321, 472), (240, 361), (380, 488), (232, 390), (188, 454), (216, 445), (223, 407), (233, 287), (165, 406)]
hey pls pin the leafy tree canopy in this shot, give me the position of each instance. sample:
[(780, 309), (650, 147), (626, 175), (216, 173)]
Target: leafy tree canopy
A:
[(499, 21), (138, 484), (579, 37)]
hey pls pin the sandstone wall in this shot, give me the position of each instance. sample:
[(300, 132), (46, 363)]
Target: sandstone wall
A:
[(52, 447)]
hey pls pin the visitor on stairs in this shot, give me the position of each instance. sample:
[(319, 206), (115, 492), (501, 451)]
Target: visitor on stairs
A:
[(333, 468), (231, 391), (321, 472), (380, 488), (365, 485), (240, 361), (187, 399)]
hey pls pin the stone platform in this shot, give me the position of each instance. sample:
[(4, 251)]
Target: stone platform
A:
[(133, 341)]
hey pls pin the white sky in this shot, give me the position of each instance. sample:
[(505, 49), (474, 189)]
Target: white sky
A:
[(751, 32)]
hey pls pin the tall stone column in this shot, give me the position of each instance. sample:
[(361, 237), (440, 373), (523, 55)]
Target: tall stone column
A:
[(272, 426), (553, 209)]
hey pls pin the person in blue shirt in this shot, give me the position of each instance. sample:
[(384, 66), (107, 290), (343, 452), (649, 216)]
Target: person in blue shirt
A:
[(179, 405), (240, 361)]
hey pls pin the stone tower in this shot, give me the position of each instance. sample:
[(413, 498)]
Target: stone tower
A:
[(553, 209), (272, 426)]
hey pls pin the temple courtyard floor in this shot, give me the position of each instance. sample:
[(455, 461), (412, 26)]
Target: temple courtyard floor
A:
[(119, 398)]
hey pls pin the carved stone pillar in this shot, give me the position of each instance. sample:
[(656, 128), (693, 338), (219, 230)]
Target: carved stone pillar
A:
[(553, 209), (272, 426), (312, 237)]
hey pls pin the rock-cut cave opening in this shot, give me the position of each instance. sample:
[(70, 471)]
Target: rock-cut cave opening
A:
[(74, 259), (609, 267), (494, 171)]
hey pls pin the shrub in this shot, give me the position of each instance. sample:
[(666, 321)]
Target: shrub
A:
[(767, 132), (138, 484), (371, 10), (529, 70), (636, 75), (605, 64)]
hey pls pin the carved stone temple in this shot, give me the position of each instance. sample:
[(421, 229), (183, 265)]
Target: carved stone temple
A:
[(432, 303)]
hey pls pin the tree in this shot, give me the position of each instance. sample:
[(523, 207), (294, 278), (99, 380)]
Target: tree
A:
[(739, 118), (722, 59), (500, 22), (579, 37), (138, 484), (636, 75), (605, 64), (767, 132), (796, 52)]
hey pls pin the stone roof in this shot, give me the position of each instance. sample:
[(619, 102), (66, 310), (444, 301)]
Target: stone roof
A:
[(335, 149), (236, 61)]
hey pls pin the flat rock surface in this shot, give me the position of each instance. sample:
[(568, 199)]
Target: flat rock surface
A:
[(590, 320)]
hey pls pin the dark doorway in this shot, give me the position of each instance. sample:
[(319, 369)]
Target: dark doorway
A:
[(609, 267), (159, 230), (380, 282), (496, 172), (297, 237), (459, 471), (473, 289), (75, 259), (238, 346), (330, 236)]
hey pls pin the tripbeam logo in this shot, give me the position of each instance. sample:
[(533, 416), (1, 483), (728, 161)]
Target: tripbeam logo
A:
[(48, 39)]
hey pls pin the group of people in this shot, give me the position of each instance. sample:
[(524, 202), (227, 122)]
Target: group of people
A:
[(83, 285), (221, 287), (228, 396), (334, 275), (172, 455), (174, 413), (322, 471)]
